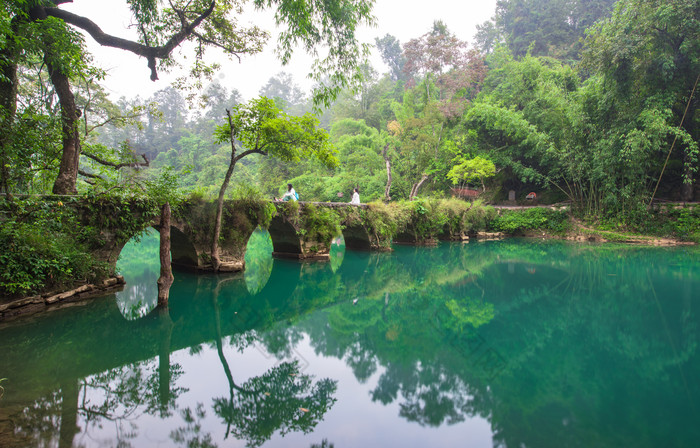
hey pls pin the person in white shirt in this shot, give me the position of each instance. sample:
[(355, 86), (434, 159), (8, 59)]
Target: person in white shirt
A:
[(290, 194), (355, 196)]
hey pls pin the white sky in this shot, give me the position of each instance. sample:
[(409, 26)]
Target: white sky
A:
[(404, 19)]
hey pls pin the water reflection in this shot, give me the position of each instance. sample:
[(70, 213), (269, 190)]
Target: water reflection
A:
[(337, 252), (139, 263), (500, 343), (258, 260)]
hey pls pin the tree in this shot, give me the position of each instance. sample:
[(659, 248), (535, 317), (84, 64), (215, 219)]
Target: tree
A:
[(390, 49), (209, 24), (545, 27), (470, 170), (421, 136), (529, 119), (434, 54), (260, 127), (284, 90), (648, 57), (450, 76)]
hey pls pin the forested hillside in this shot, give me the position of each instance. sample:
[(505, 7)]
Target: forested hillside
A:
[(592, 102)]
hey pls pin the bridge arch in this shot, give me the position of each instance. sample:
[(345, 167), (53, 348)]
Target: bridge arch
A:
[(357, 237), (285, 241), (183, 254)]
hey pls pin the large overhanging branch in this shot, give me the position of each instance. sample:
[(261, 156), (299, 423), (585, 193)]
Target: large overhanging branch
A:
[(145, 163), (250, 151), (89, 176), (148, 52)]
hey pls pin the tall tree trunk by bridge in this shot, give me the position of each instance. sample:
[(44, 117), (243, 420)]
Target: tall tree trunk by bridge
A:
[(166, 271), (68, 169), (215, 261), (387, 198), (416, 186)]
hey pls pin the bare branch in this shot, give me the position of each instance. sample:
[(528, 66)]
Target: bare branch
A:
[(150, 53), (217, 44)]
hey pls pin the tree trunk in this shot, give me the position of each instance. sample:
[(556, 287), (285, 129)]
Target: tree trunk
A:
[(164, 377), (216, 263), (166, 270), (387, 198), (68, 170), (416, 186), (8, 110), (70, 394)]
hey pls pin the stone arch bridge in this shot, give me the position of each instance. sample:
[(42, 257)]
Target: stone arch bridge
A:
[(300, 230)]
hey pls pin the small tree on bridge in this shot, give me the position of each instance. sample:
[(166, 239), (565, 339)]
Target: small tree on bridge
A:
[(260, 127)]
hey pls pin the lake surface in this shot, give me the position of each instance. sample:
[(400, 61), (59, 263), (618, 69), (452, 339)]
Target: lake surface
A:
[(498, 343)]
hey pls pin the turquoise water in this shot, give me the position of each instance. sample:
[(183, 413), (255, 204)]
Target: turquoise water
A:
[(499, 343)]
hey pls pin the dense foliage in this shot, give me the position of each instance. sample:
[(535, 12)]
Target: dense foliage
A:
[(45, 247)]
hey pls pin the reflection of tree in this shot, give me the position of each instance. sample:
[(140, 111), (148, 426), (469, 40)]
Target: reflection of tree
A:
[(280, 399), (191, 434), (123, 394), (337, 252), (120, 395), (139, 263), (39, 424), (431, 394), (563, 344), (138, 298)]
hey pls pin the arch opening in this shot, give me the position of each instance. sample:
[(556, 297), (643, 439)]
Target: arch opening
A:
[(139, 263), (258, 260), (337, 252), (357, 238), (182, 252), (285, 241)]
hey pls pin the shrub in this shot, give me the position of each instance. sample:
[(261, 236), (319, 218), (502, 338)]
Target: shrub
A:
[(31, 261), (465, 217), (686, 223), (320, 223), (427, 218), (520, 221), (386, 220)]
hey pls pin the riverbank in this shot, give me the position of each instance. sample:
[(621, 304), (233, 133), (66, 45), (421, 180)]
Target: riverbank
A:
[(59, 299), (580, 232)]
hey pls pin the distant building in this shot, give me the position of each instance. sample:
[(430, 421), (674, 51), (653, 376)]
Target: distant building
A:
[(465, 193)]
